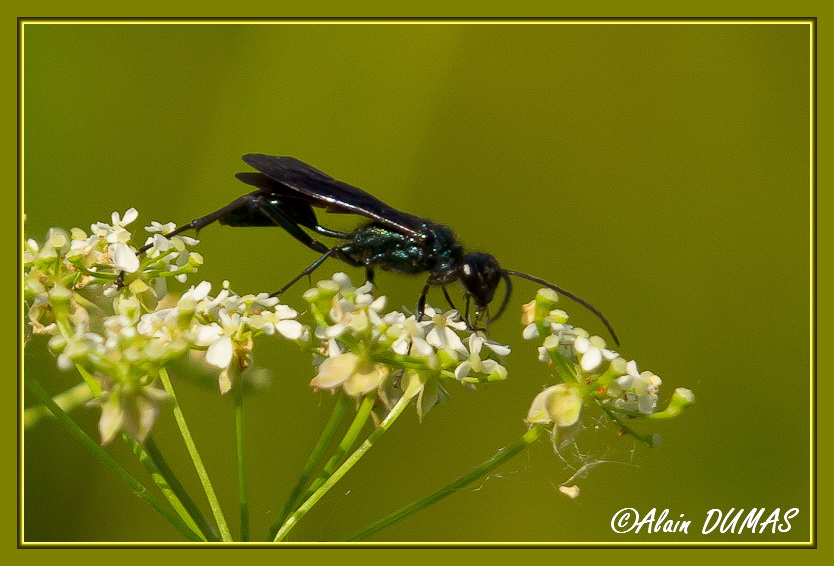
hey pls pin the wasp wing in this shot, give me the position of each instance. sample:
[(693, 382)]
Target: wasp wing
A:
[(293, 178)]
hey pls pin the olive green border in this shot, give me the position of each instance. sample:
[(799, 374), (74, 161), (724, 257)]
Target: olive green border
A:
[(813, 251)]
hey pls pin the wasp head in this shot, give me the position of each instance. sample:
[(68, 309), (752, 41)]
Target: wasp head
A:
[(480, 275)]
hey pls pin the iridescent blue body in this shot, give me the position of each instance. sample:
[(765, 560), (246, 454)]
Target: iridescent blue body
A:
[(434, 250)]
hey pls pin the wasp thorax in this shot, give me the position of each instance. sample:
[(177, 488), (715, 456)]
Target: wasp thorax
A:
[(480, 275)]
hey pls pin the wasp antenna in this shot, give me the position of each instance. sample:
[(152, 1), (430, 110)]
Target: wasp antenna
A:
[(569, 295), (507, 294)]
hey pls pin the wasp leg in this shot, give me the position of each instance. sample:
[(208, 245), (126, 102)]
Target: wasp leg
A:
[(466, 313), (256, 209), (421, 302), (319, 229), (262, 209), (448, 298), (197, 224), (313, 266), (338, 252), (470, 324), (253, 209)]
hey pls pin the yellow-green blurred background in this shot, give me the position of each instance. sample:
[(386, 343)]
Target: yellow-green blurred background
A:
[(660, 171)]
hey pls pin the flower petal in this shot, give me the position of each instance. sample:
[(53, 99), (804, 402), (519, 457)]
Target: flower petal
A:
[(161, 243), (531, 331), (564, 405), (591, 359), (498, 348), (462, 370), (207, 334), (538, 411), (112, 419), (365, 380), (582, 344), (290, 329), (200, 292), (220, 352), (124, 258), (334, 371), (131, 214)]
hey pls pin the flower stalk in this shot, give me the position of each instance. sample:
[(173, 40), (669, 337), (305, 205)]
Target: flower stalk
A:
[(327, 435), (386, 423), (68, 400), (349, 439), (171, 488), (243, 495), (216, 509)]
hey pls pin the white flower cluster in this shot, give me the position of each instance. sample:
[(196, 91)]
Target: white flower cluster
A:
[(120, 341), (133, 346), (363, 349), (78, 260), (588, 369)]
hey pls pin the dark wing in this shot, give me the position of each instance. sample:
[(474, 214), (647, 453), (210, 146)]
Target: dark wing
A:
[(293, 177)]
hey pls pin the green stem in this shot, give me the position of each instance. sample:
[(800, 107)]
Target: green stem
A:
[(67, 401), (386, 423), (483, 469), (152, 450), (153, 469), (108, 460), (324, 440), (225, 534), (347, 442), (92, 383), (241, 466), (648, 439), (563, 367)]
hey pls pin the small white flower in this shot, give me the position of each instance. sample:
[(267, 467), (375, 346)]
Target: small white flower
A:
[(592, 352), (351, 310), (130, 215), (442, 333), (134, 410), (635, 391), (404, 330), (124, 258), (474, 363), (279, 320), (159, 228), (117, 233), (356, 375), (220, 352)]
